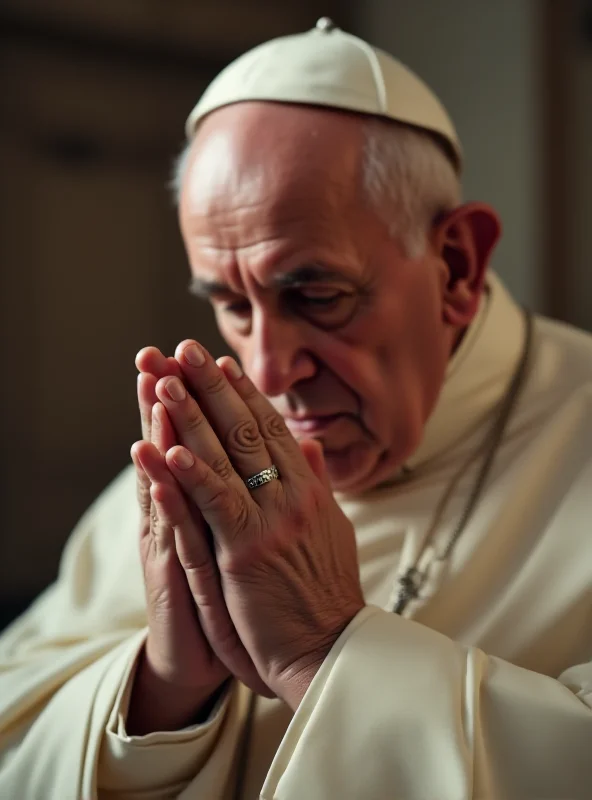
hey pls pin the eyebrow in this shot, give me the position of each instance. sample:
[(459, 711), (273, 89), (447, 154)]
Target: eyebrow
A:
[(296, 277)]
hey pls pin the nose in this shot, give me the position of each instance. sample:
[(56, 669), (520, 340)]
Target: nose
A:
[(278, 356)]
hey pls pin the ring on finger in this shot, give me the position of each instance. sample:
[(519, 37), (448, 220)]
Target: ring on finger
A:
[(263, 477)]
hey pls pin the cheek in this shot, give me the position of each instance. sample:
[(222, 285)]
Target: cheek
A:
[(402, 363), (359, 368), (417, 354), (351, 361)]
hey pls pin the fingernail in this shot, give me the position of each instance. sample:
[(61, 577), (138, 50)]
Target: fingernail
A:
[(183, 459), (175, 390), (233, 369), (194, 355)]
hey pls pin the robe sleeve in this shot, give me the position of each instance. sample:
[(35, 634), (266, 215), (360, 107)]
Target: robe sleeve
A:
[(399, 710), (66, 670)]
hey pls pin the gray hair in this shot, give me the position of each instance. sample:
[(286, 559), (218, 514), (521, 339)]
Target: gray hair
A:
[(408, 178)]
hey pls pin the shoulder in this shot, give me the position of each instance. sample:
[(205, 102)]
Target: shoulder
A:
[(117, 501), (558, 387), (561, 359), (572, 344), (110, 525)]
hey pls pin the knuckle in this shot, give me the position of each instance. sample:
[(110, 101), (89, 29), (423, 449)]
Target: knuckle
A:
[(249, 391), (155, 428), (244, 437), (273, 426), (214, 384), (234, 561), (222, 467), (215, 496), (216, 500), (155, 521), (199, 565), (143, 495), (158, 601), (194, 422), (171, 517), (242, 517)]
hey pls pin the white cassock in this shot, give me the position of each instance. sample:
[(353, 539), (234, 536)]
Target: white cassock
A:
[(482, 688)]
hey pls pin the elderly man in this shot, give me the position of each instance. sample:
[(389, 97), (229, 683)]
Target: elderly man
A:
[(364, 562)]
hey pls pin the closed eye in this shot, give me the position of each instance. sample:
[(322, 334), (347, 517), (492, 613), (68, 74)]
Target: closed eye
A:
[(327, 308), (319, 300), (324, 307), (237, 307), (294, 297)]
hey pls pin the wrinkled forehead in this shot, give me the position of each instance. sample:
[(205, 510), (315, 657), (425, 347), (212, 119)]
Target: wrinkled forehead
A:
[(275, 156)]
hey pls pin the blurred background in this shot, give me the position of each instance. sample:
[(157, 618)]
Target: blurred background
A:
[(93, 100)]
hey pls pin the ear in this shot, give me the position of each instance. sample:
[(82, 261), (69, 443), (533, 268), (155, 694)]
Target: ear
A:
[(464, 241)]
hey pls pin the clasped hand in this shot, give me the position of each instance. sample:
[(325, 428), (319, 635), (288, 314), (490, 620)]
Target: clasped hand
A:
[(257, 584)]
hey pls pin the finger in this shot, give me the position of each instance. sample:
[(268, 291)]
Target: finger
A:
[(163, 433), (152, 365), (162, 533), (163, 438), (195, 554), (146, 399), (142, 484), (155, 468), (152, 361), (229, 513), (283, 448), (239, 454), (172, 616), (229, 417), (152, 526), (152, 463)]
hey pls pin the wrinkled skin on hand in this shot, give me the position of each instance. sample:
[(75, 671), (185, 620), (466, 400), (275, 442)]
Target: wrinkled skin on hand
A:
[(178, 670), (285, 554)]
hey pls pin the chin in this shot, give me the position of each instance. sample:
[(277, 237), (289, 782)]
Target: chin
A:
[(362, 465)]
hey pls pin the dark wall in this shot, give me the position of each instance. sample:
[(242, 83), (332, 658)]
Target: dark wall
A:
[(94, 97)]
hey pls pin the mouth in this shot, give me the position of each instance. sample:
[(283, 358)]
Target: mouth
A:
[(312, 424)]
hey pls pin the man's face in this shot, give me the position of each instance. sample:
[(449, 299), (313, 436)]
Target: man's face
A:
[(332, 322)]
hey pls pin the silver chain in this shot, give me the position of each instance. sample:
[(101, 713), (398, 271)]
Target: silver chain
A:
[(411, 582)]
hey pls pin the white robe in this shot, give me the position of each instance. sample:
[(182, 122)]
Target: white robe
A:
[(482, 689)]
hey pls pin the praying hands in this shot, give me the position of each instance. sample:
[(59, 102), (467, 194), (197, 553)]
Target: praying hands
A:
[(256, 583)]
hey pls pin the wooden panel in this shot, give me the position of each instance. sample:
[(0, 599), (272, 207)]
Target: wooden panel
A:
[(92, 270), (555, 201), (211, 26), (92, 267), (567, 87)]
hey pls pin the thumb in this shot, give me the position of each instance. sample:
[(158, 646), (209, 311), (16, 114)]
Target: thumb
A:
[(313, 453)]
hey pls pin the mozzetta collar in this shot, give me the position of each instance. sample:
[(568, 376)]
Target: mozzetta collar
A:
[(477, 376)]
